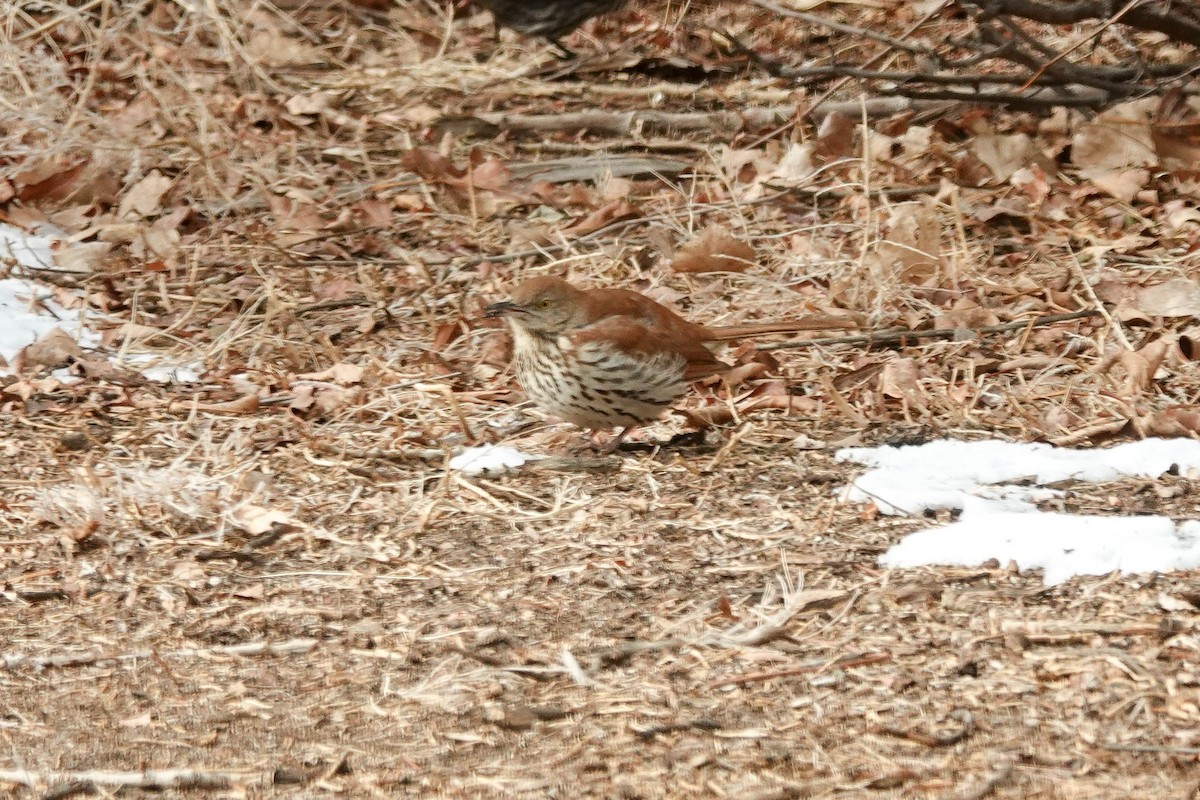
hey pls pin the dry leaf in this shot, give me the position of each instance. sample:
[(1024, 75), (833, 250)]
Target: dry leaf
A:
[(795, 168), (341, 373), (256, 519), (144, 198), (243, 405), (913, 241), (330, 399), (310, 104), (1176, 130), (86, 257), (1140, 367), (900, 379), (604, 216), (1178, 297), (55, 349), (491, 174), (1122, 184), (1116, 139), (1173, 422), (713, 249), (1005, 154)]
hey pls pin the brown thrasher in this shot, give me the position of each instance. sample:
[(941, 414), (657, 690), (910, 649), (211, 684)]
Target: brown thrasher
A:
[(603, 358), (550, 19)]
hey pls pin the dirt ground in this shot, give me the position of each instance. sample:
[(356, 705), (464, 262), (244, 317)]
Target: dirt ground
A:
[(267, 582)]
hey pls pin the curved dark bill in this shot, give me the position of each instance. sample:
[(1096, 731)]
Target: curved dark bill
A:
[(500, 309)]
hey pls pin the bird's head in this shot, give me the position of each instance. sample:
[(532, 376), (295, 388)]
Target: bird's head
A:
[(546, 306)]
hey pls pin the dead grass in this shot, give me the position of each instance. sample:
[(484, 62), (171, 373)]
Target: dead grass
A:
[(267, 593)]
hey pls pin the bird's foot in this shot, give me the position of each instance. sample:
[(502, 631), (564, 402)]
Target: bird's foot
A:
[(564, 53)]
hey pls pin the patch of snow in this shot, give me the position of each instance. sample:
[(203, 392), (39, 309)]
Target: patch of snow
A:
[(27, 314), (1062, 544), (996, 484), (488, 458), (159, 371)]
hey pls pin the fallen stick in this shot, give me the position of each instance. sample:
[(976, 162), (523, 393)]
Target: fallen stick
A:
[(17, 661), (812, 666), (147, 779)]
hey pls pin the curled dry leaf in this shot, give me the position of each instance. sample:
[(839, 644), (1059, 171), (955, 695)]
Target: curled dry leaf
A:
[(835, 139), (331, 399), (1174, 421), (430, 165), (55, 349), (247, 404), (795, 168), (713, 249), (1188, 344), (96, 178), (1180, 215), (900, 379), (607, 214), (1140, 366), (311, 103), (1176, 130), (745, 372), (1031, 181)]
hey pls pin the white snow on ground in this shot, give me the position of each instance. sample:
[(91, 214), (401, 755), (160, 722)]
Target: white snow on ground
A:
[(488, 458), (27, 314), (159, 371), (996, 484)]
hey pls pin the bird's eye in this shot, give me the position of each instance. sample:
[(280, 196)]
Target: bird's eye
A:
[(545, 302)]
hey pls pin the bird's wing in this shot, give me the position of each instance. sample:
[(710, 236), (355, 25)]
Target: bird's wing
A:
[(678, 352), (625, 303)]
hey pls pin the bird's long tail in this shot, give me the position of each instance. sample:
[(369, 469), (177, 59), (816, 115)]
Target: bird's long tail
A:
[(721, 333)]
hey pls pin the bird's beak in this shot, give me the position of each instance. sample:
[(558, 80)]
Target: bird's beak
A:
[(502, 308)]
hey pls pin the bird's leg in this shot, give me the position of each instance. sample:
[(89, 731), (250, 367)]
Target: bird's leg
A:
[(615, 442), (564, 53), (594, 443)]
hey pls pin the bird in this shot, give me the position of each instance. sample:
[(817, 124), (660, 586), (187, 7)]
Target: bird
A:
[(609, 358), (550, 19)]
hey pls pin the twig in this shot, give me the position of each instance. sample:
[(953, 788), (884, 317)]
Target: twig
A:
[(1114, 326), (1035, 628), (893, 335), (146, 779), (538, 673), (846, 662), (675, 727), (994, 781), (402, 455), (1152, 748), (929, 740), (1171, 20), (572, 464), (289, 647), (613, 656), (858, 33)]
